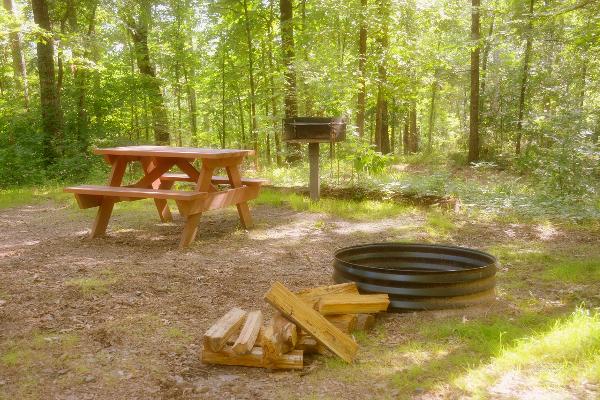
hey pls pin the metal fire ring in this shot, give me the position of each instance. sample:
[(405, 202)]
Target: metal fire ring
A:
[(419, 276)]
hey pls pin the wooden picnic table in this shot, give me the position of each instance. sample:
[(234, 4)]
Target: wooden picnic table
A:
[(157, 184)]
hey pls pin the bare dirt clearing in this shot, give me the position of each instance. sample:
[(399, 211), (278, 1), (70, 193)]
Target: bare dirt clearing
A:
[(122, 316)]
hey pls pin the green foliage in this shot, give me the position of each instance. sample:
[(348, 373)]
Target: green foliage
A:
[(366, 159)]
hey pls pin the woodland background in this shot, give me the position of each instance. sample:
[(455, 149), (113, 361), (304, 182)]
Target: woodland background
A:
[(508, 84)]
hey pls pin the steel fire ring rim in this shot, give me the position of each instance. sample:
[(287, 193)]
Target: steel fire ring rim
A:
[(418, 276)]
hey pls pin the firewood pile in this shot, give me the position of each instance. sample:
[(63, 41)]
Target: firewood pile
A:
[(312, 321)]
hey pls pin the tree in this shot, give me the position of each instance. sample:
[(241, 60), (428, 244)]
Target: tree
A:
[(382, 137), (139, 30), (524, 77), (362, 63), (290, 100), (19, 66), (52, 116), (474, 105), (254, 125)]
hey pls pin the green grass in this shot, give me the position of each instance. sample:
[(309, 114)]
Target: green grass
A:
[(349, 209), (574, 271), (565, 354), (438, 224), (15, 197), (93, 285)]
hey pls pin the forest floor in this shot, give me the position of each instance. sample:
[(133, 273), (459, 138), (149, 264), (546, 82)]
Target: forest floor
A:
[(122, 317)]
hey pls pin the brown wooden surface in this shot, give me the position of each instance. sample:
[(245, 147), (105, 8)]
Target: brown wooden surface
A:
[(291, 360), (353, 303), (318, 292), (297, 310), (168, 151), (344, 322), (249, 333), (158, 181), (216, 336)]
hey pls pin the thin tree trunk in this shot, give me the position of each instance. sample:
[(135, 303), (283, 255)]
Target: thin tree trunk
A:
[(191, 100), (474, 106), (406, 137), (362, 62), (486, 52), (434, 89), (139, 31), (52, 116), (241, 112), (524, 77), (413, 141), (276, 131), (222, 136), (18, 59), (382, 137), (254, 125), (290, 98)]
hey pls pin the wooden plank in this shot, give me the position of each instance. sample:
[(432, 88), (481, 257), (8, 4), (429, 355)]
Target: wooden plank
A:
[(316, 293), (219, 180), (169, 151), (233, 173), (125, 192), (364, 322), (105, 209), (295, 309), (291, 360), (344, 322), (216, 200), (216, 336), (353, 303), (249, 333)]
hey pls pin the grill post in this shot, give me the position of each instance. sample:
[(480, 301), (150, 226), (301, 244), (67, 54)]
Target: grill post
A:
[(313, 160)]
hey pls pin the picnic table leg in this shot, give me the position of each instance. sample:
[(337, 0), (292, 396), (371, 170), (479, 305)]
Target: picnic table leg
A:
[(105, 209), (191, 225), (233, 173), (161, 205)]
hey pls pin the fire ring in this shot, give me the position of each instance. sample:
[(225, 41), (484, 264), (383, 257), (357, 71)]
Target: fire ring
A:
[(419, 276)]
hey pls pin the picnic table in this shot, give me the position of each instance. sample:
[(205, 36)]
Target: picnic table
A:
[(157, 184)]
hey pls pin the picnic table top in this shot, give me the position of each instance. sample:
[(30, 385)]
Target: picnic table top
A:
[(168, 151)]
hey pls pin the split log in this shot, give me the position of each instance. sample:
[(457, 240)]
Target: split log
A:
[(245, 341), (279, 338), (291, 360), (216, 336), (295, 309), (344, 322), (315, 294), (353, 304)]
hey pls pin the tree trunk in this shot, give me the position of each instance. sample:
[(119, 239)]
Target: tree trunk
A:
[(382, 137), (405, 137), (290, 99), (222, 135), (139, 31), (276, 130), (413, 136), (19, 66), (254, 125), (434, 89), (524, 77), (52, 116), (474, 106), (362, 62), (486, 52)]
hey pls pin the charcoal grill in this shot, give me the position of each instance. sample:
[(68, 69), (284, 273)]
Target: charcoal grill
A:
[(314, 130), (419, 276)]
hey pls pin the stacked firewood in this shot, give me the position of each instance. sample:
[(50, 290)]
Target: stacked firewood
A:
[(312, 321)]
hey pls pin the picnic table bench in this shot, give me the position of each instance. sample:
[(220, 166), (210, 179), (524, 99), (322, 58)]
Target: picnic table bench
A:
[(157, 184)]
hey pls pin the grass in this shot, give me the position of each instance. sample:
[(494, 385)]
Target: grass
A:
[(31, 195), (574, 271), (93, 285), (349, 209), (567, 353), (438, 224)]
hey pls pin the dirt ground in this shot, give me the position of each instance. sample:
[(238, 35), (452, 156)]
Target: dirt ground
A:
[(121, 317)]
